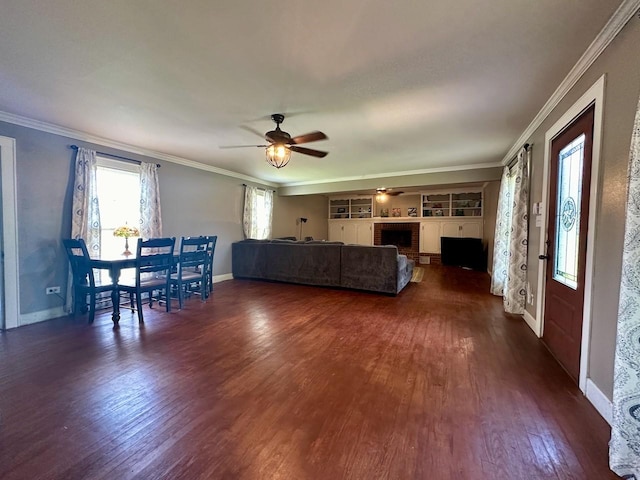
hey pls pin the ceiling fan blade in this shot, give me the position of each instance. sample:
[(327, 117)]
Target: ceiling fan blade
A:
[(308, 137), (240, 146), (393, 194), (308, 151), (251, 130)]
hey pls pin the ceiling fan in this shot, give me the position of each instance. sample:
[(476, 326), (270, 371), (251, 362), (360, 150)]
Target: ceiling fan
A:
[(281, 144), (383, 193), (387, 191)]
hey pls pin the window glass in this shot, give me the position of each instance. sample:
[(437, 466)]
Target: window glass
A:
[(262, 214), (119, 199), (568, 201)]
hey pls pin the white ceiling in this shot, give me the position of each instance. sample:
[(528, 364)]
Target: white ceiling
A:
[(397, 86)]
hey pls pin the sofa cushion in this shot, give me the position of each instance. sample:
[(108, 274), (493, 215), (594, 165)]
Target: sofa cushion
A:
[(372, 268), (311, 264)]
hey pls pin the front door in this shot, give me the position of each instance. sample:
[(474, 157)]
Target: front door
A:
[(569, 183)]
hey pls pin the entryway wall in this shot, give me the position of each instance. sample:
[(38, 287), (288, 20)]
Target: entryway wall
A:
[(621, 65)]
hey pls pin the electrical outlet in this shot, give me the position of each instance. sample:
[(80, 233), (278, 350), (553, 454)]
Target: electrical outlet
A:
[(52, 290)]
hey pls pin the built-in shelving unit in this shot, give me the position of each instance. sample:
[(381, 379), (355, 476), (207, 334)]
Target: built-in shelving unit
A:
[(347, 208), (466, 204)]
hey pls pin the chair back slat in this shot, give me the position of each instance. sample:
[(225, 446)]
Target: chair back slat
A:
[(154, 256), (211, 248), (79, 260), (193, 252)]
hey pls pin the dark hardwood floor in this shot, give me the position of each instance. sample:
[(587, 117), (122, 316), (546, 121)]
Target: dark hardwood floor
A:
[(277, 381)]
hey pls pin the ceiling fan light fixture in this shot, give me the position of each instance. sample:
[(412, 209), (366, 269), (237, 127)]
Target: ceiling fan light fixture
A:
[(278, 155), (381, 195)]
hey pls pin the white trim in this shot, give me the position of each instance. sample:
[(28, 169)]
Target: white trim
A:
[(222, 278), (594, 95), (10, 232), (105, 142), (618, 20), (531, 321), (56, 312), (458, 168), (599, 400), (42, 315)]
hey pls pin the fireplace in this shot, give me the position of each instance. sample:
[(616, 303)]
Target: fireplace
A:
[(405, 236), (399, 238)]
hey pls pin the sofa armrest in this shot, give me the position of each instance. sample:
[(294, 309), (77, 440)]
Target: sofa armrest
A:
[(405, 272)]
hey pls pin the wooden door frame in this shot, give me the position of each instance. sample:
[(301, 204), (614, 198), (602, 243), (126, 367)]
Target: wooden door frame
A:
[(593, 96), (10, 233)]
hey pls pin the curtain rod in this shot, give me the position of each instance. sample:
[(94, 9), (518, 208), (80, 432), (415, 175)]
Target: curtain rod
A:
[(514, 159), (259, 188), (105, 154)]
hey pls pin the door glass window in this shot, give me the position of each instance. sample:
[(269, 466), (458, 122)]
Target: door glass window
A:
[(568, 201)]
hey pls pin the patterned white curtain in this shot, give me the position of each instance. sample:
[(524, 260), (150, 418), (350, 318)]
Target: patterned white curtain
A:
[(509, 270), (85, 211), (624, 448), (258, 213), (501, 239), (515, 292), (85, 219), (150, 212)]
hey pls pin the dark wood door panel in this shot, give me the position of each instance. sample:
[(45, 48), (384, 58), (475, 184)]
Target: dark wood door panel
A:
[(564, 301)]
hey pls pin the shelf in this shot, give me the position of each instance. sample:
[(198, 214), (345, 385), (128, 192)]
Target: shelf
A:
[(350, 208)]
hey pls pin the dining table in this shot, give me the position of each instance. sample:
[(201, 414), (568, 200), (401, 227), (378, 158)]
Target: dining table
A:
[(115, 266)]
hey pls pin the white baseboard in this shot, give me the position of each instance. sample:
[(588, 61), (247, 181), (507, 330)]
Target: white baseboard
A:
[(42, 315), (532, 322), (599, 400), (222, 278)]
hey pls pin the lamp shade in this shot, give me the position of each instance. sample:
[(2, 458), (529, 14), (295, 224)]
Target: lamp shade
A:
[(278, 155)]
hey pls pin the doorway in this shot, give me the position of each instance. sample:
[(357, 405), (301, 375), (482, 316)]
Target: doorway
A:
[(567, 227), (592, 99), (9, 235)]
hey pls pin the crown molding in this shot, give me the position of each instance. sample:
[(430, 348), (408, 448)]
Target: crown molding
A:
[(105, 142), (457, 168), (618, 20)]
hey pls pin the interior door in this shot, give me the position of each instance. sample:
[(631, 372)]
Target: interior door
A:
[(569, 183)]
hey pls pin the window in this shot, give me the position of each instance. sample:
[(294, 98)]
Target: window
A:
[(258, 210), (119, 200), (568, 202)]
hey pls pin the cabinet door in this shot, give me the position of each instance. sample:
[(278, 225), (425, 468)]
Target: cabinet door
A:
[(350, 232), (335, 231), (364, 235), (450, 229), (430, 237), (471, 229)]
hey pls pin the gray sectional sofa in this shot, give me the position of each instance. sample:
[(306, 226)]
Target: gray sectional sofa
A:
[(331, 264)]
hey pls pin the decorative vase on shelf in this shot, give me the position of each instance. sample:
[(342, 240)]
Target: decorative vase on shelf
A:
[(126, 231)]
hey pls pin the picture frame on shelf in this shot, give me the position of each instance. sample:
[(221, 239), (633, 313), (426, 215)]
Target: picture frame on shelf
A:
[(412, 212), (396, 212), (384, 212)]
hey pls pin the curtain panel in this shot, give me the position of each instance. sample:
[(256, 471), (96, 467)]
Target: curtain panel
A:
[(501, 240), (509, 269), (85, 209), (624, 448), (150, 211), (258, 213), (515, 292)]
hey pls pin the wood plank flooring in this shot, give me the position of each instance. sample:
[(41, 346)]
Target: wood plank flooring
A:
[(277, 381)]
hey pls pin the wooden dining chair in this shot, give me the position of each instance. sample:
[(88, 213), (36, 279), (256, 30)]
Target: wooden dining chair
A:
[(192, 268), (85, 285), (211, 248), (154, 261)]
